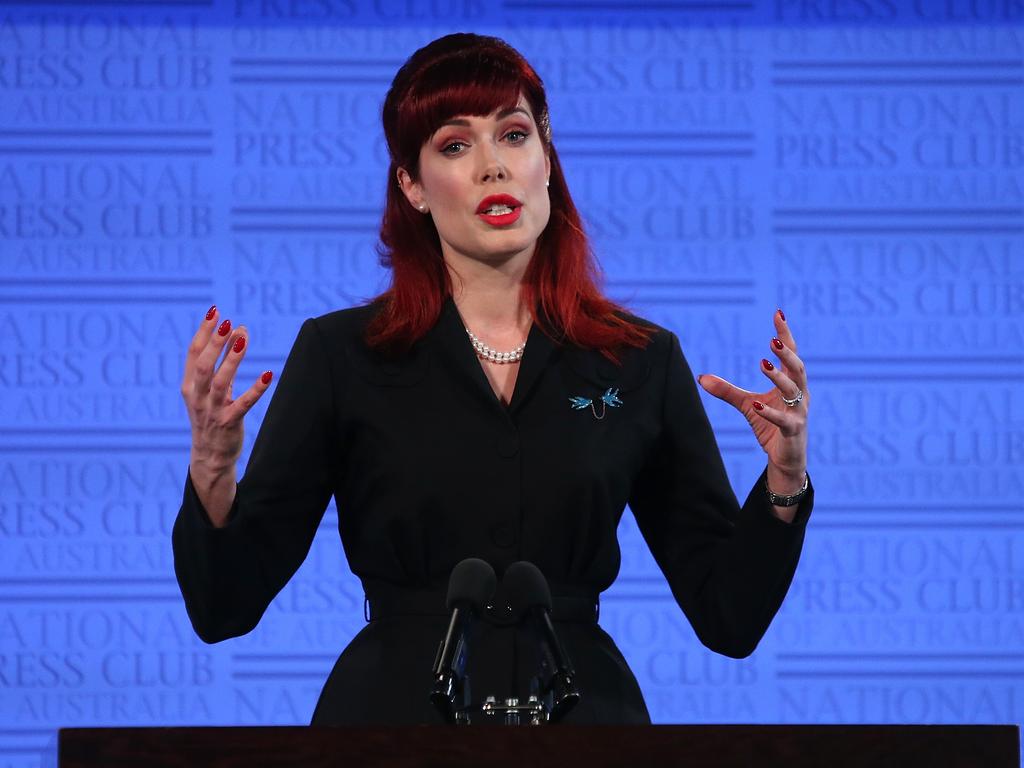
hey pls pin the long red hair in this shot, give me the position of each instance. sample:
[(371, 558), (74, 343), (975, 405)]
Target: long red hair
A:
[(468, 74)]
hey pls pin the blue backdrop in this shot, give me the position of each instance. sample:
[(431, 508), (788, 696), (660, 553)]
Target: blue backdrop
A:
[(856, 162)]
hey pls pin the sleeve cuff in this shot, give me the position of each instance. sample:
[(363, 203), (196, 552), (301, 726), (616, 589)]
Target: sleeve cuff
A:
[(197, 513)]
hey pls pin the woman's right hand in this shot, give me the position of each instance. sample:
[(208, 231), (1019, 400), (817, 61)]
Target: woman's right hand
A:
[(216, 418)]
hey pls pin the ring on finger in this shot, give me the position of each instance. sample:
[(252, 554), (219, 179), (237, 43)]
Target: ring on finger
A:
[(797, 398)]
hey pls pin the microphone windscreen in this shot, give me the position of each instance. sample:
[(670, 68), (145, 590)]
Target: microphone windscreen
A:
[(525, 587), (472, 581)]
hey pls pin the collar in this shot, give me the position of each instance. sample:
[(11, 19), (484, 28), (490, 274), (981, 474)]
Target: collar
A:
[(451, 344)]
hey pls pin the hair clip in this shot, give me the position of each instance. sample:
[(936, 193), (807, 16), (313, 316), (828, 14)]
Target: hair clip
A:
[(609, 398)]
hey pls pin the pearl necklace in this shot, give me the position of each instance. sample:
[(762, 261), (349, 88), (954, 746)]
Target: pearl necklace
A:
[(486, 353)]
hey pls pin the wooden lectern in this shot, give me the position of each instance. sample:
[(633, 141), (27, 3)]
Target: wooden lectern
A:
[(495, 746)]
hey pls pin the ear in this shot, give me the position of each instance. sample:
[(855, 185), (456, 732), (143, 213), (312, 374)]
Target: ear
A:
[(547, 165), (412, 190)]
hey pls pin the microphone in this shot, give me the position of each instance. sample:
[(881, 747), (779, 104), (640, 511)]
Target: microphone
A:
[(470, 586), (528, 592)]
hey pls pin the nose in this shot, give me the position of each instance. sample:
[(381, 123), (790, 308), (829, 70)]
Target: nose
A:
[(493, 168)]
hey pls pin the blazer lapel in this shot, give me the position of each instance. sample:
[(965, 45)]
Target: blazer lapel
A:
[(536, 358), (453, 346)]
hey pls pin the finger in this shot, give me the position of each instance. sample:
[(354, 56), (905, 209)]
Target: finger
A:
[(789, 424), (206, 362), (782, 382), (247, 399), (195, 348), (724, 390), (794, 365), (782, 329), (220, 386)]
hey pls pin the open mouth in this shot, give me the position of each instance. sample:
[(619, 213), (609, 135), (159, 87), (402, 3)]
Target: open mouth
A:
[(501, 215), (499, 209)]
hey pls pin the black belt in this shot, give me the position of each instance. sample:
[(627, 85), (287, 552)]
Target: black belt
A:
[(409, 603)]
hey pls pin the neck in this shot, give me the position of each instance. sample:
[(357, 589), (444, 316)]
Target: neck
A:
[(488, 298)]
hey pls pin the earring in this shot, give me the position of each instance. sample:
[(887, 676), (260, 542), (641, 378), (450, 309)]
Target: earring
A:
[(423, 208), (547, 183)]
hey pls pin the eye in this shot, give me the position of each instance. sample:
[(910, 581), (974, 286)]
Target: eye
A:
[(524, 134), (444, 150)]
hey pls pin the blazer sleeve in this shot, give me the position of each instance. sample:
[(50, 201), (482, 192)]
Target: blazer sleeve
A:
[(229, 575), (729, 567)]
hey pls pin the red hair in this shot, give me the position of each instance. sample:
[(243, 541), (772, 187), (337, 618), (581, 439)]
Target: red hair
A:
[(468, 74)]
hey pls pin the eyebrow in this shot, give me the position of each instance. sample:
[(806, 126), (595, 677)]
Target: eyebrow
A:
[(501, 115)]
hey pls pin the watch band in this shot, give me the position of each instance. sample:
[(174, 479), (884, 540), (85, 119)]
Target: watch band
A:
[(787, 501)]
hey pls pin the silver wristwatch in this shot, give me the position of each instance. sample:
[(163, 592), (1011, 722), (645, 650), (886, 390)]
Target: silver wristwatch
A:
[(787, 501)]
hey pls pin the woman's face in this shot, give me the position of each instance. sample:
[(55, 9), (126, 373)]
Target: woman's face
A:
[(469, 159)]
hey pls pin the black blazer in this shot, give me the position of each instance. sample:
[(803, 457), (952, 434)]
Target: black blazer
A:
[(428, 467)]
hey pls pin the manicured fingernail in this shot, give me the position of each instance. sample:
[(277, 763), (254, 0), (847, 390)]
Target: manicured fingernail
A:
[(224, 329), (239, 344), (211, 312), (767, 365), (782, 315), (758, 405), (266, 377), (777, 344)]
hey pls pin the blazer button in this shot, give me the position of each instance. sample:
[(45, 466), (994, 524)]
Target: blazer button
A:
[(503, 535), (507, 445)]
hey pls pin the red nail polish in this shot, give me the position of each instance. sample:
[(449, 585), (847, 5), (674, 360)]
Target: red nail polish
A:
[(778, 344), (266, 377), (224, 329), (782, 315), (211, 312), (239, 344), (758, 405), (767, 365)]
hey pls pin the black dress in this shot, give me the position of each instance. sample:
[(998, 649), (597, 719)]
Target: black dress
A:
[(428, 467)]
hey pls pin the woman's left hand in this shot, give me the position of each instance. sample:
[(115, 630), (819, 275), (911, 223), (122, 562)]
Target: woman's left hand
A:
[(780, 429)]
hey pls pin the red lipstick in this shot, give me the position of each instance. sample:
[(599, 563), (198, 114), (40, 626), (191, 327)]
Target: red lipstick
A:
[(504, 218)]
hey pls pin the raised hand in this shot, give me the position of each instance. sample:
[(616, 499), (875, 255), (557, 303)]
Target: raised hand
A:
[(216, 417), (780, 426)]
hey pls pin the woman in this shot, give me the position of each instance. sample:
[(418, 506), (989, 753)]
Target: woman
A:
[(490, 404)]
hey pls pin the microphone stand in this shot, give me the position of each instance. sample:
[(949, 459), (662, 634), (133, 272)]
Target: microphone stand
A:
[(553, 690), (560, 686), (470, 586), (451, 683)]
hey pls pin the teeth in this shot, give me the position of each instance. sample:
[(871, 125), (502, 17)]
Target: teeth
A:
[(498, 210)]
